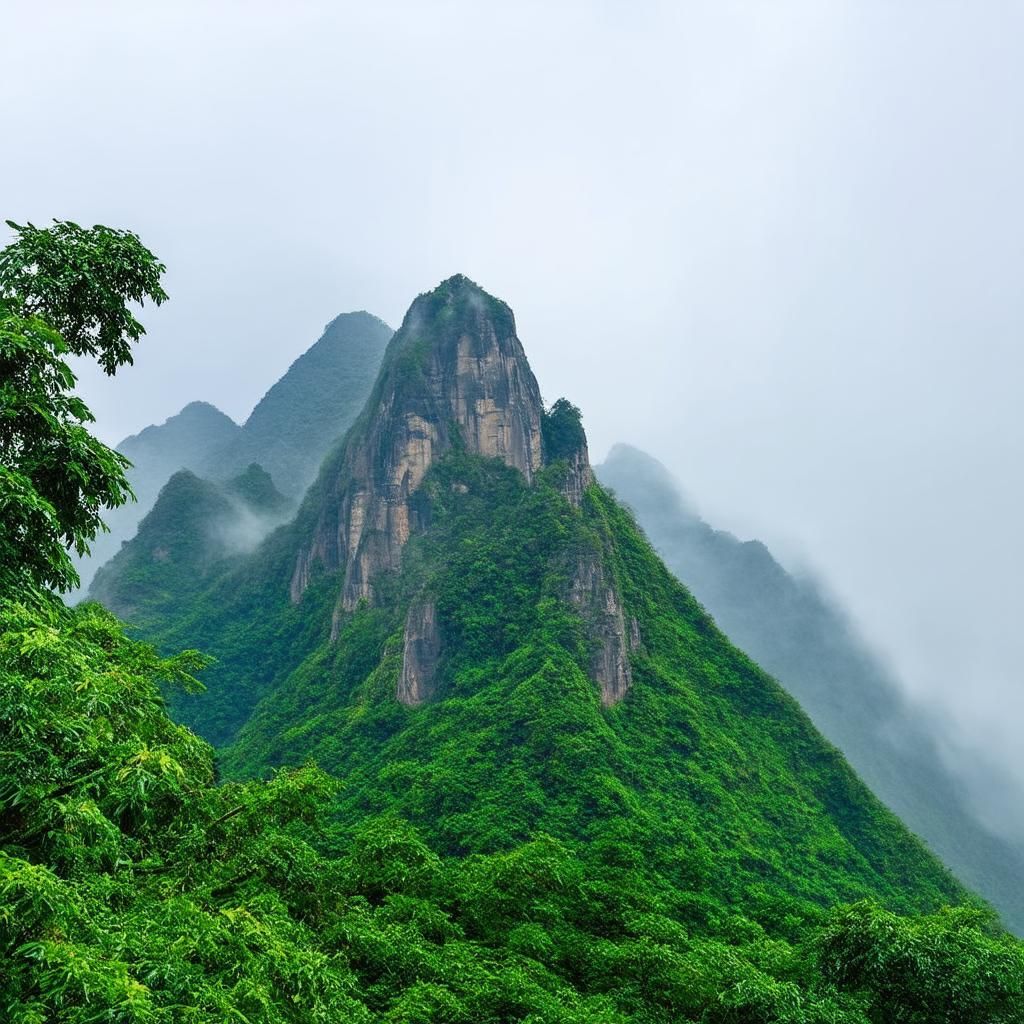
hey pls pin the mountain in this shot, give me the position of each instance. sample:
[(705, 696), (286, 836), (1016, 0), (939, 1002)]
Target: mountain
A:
[(199, 429), (791, 629), (306, 412), (193, 526), (477, 638), (183, 441), (288, 433)]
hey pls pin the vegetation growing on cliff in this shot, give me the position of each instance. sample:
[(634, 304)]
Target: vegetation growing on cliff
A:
[(562, 425)]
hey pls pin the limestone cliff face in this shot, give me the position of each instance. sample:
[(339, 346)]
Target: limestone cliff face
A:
[(455, 372), (579, 476), (421, 653), (594, 595)]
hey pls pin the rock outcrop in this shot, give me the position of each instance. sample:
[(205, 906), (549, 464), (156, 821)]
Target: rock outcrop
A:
[(421, 653), (579, 476), (565, 441), (455, 373), (600, 607)]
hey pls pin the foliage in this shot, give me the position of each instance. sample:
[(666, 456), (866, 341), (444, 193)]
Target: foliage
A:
[(133, 888), (946, 967), (80, 281), (63, 290), (562, 428)]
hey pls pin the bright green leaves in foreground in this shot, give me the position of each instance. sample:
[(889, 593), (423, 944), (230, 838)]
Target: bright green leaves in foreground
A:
[(80, 281), (54, 475), (132, 888), (938, 968), (64, 290)]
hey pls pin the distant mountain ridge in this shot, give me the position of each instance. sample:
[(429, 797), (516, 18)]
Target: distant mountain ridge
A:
[(305, 413), (288, 433), (199, 426), (789, 627)]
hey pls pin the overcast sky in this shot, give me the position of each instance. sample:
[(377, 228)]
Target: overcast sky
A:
[(777, 244)]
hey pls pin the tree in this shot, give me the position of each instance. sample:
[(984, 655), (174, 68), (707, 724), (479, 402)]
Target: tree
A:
[(64, 290), (951, 967), (562, 428)]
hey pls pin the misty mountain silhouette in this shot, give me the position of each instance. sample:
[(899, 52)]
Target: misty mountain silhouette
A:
[(793, 631)]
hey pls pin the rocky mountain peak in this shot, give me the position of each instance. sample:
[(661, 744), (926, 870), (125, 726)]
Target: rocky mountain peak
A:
[(454, 373)]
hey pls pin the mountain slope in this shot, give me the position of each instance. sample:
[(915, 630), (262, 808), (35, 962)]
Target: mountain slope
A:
[(288, 433), (791, 629), (185, 441), (308, 410), (478, 639), (194, 525)]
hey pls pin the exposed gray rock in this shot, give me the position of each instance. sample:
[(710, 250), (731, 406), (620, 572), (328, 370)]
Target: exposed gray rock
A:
[(635, 639), (454, 373), (601, 610), (578, 477), (421, 653)]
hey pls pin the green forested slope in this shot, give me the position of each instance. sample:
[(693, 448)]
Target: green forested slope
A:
[(795, 632), (133, 888), (708, 772), (183, 542)]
